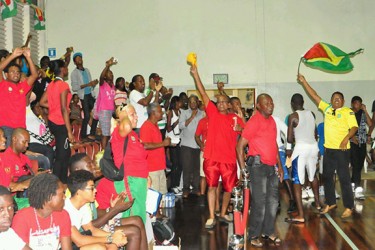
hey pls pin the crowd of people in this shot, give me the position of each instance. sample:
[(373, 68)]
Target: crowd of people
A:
[(170, 143)]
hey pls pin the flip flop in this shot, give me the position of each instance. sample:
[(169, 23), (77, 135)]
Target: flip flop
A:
[(294, 221)]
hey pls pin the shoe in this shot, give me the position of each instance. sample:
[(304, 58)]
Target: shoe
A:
[(347, 213), (210, 223), (294, 220), (180, 189), (304, 194), (358, 193), (327, 208), (321, 191), (176, 191), (226, 218), (292, 206), (168, 170), (309, 192), (337, 195), (185, 195), (255, 242)]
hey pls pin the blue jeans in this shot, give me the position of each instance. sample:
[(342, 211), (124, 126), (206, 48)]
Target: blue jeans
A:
[(264, 199)]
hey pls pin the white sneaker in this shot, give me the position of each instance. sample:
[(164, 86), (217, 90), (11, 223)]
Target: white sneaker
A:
[(176, 191), (321, 191), (358, 193), (304, 194), (310, 193), (337, 195)]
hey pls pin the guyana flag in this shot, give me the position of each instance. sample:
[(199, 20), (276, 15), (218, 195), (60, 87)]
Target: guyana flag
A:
[(39, 20), (8, 8), (327, 57)]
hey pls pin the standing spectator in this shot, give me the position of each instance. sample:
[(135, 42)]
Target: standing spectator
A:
[(219, 153), (189, 148), (121, 96), (13, 92), (8, 238), (302, 131), (45, 224), (139, 100), (155, 146), (135, 166), (184, 101), (200, 138), (57, 99), (83, 85), (340, 126), (358, 144), (105, 104), (265, 170), (173, 132)]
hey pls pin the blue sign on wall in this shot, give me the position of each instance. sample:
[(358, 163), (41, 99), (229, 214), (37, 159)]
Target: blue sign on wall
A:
[(52, 52)]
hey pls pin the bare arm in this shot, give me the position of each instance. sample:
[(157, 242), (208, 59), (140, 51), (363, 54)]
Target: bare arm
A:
[(344, 143), (108, 64), (368, 118), (146, 101), (65, 114), (155, 145), (34, 73), (292, 123), (199, 85), (44, 100), (19, 186), (240, 152), (199, 142), (66, 243), (309, 90)]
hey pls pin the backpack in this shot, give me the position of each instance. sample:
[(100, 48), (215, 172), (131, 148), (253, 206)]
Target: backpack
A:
[(163, 231)]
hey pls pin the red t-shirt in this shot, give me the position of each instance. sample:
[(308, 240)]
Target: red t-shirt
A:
[(26, 226), (13, 103), (261, 134), (136, 155), (221, 138), (12, 166), (54, 91), (104, 192), (202, 129), (156, 157)]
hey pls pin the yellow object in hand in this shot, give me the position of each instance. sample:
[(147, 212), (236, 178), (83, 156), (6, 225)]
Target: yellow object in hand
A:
[(192, 59)]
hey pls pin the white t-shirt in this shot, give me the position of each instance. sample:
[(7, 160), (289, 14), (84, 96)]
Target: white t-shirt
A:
[(78, 217), (9, 240), (34, 125), (141, 110)]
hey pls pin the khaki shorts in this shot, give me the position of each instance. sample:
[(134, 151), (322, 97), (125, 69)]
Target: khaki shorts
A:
[(159, 181)]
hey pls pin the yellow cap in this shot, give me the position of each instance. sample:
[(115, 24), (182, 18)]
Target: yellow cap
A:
[(192, 59)]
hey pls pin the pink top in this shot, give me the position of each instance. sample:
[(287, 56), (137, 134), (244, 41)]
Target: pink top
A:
[(105, 100)]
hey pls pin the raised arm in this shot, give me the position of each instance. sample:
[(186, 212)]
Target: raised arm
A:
[(309, 90), (108, 64), (34, 73), (199, 85), (16, 53)]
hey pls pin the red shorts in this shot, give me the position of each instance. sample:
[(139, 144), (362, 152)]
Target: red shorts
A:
[(228, 172)]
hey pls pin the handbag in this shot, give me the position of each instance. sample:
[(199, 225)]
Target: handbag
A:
[(107, 165)]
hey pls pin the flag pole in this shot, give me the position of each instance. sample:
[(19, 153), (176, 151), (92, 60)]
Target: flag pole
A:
[(299, 65)]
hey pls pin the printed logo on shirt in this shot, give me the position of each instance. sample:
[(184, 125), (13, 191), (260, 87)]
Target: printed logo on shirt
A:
[(132, 138), (21, 91)]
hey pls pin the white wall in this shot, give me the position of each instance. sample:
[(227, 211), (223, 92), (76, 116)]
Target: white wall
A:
[(258, 43)]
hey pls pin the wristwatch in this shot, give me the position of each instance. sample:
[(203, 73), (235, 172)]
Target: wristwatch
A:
[(109, 239)]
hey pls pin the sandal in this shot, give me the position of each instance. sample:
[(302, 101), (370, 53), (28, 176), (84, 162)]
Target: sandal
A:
[(255, 242), (275, 240), (294, 220), (226, 218), (210, 223)]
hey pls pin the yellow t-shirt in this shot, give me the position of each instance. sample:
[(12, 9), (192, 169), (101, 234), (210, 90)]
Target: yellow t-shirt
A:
[(337, 126)]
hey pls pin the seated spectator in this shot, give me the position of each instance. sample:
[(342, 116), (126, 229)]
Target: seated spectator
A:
[(3, 140), (109, 219), (41, 137), (45, 224), (8, 238), (75, 110), (81, 186)]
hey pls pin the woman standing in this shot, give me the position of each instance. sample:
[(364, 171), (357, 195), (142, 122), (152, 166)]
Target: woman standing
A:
[(173, 132), (105, 102), (57, 98)]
